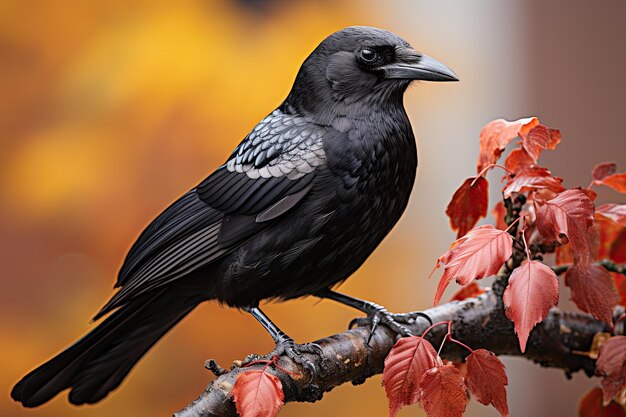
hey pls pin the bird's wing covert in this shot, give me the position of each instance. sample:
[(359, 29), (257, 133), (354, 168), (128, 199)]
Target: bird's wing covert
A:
[(277, 159)]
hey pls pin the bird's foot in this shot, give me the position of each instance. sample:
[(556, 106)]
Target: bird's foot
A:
[(377, 314), (295, 352), (287, 346)]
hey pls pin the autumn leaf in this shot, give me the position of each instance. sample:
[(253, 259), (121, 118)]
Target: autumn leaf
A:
[(593, 290), (603, 235), (615, 212), (601, 239), (469, 203), (495, 135), (563, 255), (478, 254), (461, 366), (470, 290), (405, 364), (443, 392), (618, 248), (257, 394), (487, 380), (518, 160), (611, 367), (499, 215), (533, 179), (620, 286), (533, 289), (603, 170), (590, 193), (540, 138), (569, 214), (591, 406), (615, 181)]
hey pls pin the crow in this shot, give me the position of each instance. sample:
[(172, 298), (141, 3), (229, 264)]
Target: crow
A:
[(298, 206)]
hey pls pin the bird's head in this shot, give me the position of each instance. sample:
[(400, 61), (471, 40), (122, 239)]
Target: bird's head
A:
[(358, 68)]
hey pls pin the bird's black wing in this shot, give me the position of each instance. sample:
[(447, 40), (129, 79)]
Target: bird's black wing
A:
[(269, 172)]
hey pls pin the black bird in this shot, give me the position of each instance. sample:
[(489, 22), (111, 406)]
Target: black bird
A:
[(297, 208)]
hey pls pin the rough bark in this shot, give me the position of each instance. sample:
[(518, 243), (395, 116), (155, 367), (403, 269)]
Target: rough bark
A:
[(559, 341)]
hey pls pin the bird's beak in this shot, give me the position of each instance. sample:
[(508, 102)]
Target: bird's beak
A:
[(411, 65)]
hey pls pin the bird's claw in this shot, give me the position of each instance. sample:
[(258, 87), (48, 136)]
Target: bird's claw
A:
[(395, 322), (294, 352), (410, 318)]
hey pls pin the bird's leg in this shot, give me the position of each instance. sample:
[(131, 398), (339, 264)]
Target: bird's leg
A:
[(376, 313), (285, 344)]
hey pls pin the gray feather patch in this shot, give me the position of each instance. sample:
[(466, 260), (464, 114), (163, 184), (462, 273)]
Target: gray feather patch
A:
[(280, 146)]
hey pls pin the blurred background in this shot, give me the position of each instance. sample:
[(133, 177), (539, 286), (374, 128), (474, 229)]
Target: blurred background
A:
[(110, 111)]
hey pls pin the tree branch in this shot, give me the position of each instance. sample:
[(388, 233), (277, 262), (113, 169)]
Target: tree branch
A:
[(559, 341)]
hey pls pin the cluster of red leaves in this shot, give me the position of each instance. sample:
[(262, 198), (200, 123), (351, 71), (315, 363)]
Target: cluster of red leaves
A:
[(414, 372), (551, 219)]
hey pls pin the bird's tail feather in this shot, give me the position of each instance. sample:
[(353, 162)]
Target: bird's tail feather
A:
[(97, 363)]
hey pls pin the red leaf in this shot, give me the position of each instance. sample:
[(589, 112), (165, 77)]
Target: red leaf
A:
[(461, 366), (532, 290), (603, 170), (499, 214), (443, 392), (533, 179), (611, 366), (615, 181), (478, 254), (495, 135), (518, 160), (618, 249), (590, 193), (257, 394), (593, 290), (487, 380), (539, 138), (591, 406), (469, 203), (601, 239), (569, 214), (620, 285), (470, 290), (563, 255), (405, 364), (615, 212), (603, 235)]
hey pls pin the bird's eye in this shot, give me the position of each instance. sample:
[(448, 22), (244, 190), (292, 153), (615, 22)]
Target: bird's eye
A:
[(368, 55)]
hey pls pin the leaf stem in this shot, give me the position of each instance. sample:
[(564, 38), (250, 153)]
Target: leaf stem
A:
[(447, 322), (524, 240), (513, 222), (487, 168), (458, 342)]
